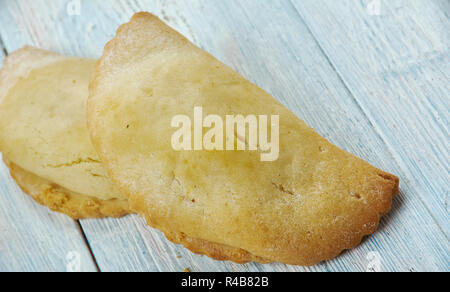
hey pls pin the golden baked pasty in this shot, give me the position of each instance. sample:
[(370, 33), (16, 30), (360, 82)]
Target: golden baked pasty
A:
[(309, 205)]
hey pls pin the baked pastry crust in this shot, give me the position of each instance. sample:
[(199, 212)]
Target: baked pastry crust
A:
[(43, 121), (314, 202), (61, 200)]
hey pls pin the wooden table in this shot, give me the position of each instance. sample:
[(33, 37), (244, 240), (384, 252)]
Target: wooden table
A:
[(372, 76)]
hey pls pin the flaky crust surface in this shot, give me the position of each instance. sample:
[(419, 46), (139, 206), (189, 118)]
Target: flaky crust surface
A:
[(310, 205), (61, 200)]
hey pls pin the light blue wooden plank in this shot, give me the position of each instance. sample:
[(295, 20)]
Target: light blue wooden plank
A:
[(397, 66), (128, 244), (269, 44), (2, 52), (32, 238)]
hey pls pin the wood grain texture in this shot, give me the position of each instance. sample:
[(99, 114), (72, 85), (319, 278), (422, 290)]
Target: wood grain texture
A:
[(128, 244), (401, 83), (32, 238), (277, 45)]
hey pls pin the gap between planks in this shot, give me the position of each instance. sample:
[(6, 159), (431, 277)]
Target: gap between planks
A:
[(2, 46), (86, 241)]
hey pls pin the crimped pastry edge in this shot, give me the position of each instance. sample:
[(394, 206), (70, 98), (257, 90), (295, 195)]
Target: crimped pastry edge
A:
[(61, 200)]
